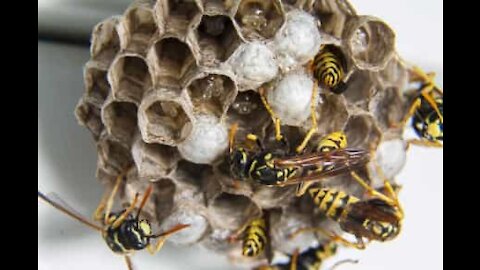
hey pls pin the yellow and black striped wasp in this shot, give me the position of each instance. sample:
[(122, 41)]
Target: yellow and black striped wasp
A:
[(256, 237), (272, 169), (310, 259), (328, 69), (376, 218), (123, 232), (426, 110)]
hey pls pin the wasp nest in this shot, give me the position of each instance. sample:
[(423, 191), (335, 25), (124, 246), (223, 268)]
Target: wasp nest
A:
[(168, 77)]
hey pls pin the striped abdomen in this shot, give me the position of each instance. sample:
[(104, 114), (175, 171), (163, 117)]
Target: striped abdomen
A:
[(126, 237), (332, 202), (255, 238), (327, 68)]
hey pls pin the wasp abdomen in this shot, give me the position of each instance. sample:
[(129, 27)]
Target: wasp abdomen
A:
[(331, 202), (255, 238), (328, 69)]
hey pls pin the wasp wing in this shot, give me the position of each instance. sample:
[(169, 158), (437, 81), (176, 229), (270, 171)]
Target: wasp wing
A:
[(333, 163), (55, 201)]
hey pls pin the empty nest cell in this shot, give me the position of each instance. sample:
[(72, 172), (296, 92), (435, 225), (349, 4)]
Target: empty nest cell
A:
[(217, 39), (387, 106), (163, 197), (113, 157), (228, 211), (172, 59), (248, 111), (362, 132), (191, 174), (212, 94), (141, 28), (88, 115), (130, 77), (333, 114), (97, 86), (105, 41), (120, 119), (370, 42), (153, 160), (333, 15), (162, 121), (360, 88), (176, 15), (260, 19)]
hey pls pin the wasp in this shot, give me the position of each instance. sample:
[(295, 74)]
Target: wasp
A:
[(256, 237), (274, 169), (311, 259), (328, 69), (123, 232), (426, 110), (377, 218)]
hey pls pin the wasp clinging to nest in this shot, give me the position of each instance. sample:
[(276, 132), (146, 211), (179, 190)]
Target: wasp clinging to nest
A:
[(123, 232)]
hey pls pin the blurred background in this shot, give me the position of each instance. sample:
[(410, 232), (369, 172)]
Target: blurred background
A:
[(67, 155)]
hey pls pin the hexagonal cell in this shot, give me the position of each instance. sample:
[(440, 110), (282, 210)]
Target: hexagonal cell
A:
[(248, 111), (120, 119), (260, 19), (360, 87), (105, 41), (162, 118), (176, 15), (388, 107), (362, 132), (163, 198), (395, 74), (130, 78), (219, 6), (370, 42), (113, 157), (88, 115), (96, 84), (333, 114), (191, 174), (140, 27), (270, 197), (217, 39), (153, 160), (333, 14), (171, 59), (230, 211), (212, 94)]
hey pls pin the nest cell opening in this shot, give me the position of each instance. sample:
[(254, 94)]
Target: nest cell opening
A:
[(173, 59), (231, 211), (164, 191), (360, 87), (333, 113), (182, 9), (372, 43), (142, 26), (362, 132), (154, 159), (388, 107), (217, 37), (97, 85), (113, 156), (132, 77), (89, 116), (166, 119), (332, 16), (259, 18), (247, 109), (121, 120), (191, 173), (212, 93), (106, 42)]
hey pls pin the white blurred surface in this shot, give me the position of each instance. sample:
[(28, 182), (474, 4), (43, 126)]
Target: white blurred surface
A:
[(67, 158)]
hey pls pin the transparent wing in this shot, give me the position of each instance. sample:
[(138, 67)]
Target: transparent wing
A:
[(55, 201)]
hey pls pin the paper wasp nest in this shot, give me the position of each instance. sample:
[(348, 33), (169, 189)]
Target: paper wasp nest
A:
[(168, 77)]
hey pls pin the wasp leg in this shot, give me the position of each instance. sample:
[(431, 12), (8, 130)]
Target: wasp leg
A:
[(358, 245), (163, 237), (411, 111), (294, 260), (312, 129), (128, 262), (144, 200), (117, 222), (303, 187), (370, 190), (390, 190), (343, 262), (234, 237), (254, 138), (425, 143), (109, 203), (98, 214), (275, 119)]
